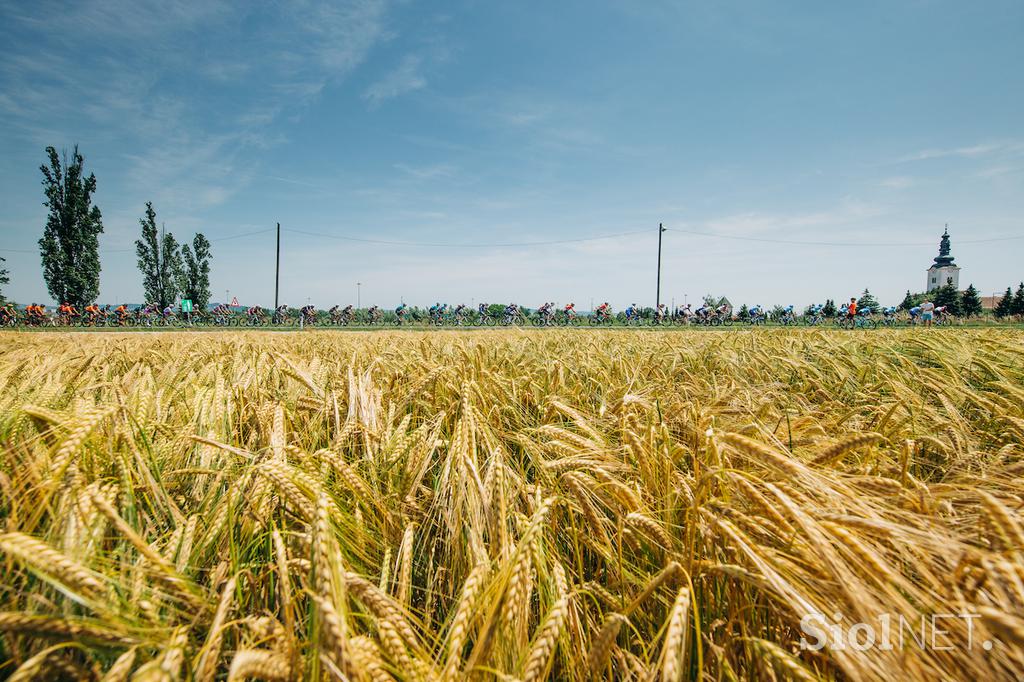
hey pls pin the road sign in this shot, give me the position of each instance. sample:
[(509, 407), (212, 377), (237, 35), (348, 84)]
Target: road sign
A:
[(186, 305)]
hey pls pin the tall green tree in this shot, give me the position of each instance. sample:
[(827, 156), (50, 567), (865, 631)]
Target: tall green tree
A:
[(195, 281), (912, 300), (1005, 306), (970, 302), (829, 309), (5, 278), (70, 244), (159, 261), (1017, 308), (866, 300), (948, 296)]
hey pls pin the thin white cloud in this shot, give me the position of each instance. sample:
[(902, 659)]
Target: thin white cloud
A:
[(406, 77), (967, 152), (438, 170), (178, 143), (897, 182)]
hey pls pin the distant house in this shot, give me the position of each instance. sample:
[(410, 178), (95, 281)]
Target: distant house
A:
[(990, 302)]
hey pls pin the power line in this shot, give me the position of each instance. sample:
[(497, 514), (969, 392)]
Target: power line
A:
[(795, 242), (102, 251), (453, 245), (552, 242)]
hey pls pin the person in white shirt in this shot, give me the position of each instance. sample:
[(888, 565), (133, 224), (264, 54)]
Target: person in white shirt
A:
[(927, 312)]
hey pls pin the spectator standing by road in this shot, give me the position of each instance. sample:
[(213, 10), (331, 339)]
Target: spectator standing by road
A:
[(927, 312)]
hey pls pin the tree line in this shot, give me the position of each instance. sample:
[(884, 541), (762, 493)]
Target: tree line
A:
[(968, 302), (69, 247)]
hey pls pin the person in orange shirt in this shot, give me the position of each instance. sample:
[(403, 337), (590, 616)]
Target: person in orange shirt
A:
[(851, 309)]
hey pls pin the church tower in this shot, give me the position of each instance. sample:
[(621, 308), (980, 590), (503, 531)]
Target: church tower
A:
[(943, 271)]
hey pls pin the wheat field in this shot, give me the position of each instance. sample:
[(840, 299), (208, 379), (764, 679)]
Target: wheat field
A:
[(511, 505)]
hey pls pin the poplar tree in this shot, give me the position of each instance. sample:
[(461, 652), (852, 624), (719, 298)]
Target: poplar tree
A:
[(70, 244)]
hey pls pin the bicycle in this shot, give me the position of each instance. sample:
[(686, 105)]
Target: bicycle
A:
[(860, 322), (788, 319)]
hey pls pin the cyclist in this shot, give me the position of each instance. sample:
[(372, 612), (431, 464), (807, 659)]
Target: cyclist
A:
[(787, 315), (723, 311), (755, 314), (570, 312), (67, 313), (400, 312), (660, 312), (347, 314), (122, 314), (544, 312), (632, 312), (511, 313), (851, 308), (684, 313), (459, 314), (7, 314), (92, 311), (603, 312), (168, 312), (308, 313), (914, 313), (374, 314)]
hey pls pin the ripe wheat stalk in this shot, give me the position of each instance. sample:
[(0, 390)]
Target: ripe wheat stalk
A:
[(507, 505)]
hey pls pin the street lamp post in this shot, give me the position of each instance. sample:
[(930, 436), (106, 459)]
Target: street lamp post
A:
[(657, 294)]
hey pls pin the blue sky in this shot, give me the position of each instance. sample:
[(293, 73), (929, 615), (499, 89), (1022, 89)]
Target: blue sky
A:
[(495, 123)]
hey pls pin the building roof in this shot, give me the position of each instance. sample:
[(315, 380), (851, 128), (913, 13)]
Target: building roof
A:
[(943, 259)]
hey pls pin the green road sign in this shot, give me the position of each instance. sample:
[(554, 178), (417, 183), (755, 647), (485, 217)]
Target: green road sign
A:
[(186, 305)]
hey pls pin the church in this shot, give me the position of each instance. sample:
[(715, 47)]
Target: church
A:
[(943, 271)]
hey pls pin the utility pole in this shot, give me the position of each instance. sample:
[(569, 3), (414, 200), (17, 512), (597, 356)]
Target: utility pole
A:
[(160, 261), (657, 295), (277, 269)]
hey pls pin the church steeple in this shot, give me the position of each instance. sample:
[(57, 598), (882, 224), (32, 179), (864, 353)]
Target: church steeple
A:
[(943, 271), (944, 259)]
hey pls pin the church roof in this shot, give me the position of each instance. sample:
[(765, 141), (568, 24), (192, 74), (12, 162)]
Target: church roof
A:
[(943, 260)]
